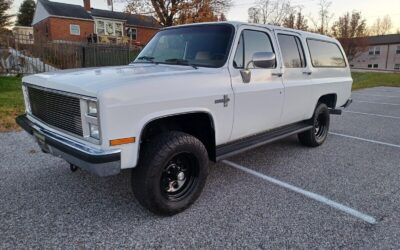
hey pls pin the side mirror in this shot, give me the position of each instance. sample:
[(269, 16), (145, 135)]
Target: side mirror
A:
[(263, 60)]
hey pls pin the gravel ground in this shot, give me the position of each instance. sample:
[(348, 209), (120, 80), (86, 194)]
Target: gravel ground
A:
[(44, 205)]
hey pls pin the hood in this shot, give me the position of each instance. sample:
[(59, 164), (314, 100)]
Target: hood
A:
[(91, 81)]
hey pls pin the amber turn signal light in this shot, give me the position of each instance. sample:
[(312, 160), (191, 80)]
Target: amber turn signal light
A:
[(122, 141)]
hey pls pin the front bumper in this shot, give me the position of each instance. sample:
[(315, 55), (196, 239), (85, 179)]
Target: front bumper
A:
[(96, 161)]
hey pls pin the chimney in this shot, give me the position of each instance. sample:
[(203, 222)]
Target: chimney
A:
[(86, 5)]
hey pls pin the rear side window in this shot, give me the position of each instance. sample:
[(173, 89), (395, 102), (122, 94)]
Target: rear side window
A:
[(325, 54), (250, 42), (292, 51)]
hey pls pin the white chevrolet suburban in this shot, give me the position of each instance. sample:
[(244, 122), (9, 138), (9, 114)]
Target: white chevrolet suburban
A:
[(195, 93)]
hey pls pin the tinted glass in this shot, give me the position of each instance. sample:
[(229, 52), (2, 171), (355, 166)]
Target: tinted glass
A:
[(325, 54), (255, 41), (292, 51), (206, 45)]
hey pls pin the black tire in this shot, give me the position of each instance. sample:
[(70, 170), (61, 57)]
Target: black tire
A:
[(318, 134), (158, 182)]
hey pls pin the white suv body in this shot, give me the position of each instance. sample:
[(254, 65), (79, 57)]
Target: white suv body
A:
[(303, 70)]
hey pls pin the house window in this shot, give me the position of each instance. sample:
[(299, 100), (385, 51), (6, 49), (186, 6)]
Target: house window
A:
[(75, 29), (118, 29), (397, 67), (100, 28), (398, 50), (109, 28), (131, 33), (376, 66), (369, 66), (374, 51)]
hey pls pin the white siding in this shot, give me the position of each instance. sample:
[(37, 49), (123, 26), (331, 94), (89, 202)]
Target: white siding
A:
[(40, 13)]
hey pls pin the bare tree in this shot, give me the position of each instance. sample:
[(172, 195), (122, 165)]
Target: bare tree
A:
[(382, 26), (296, 20), (254, 15), (321, 23), (170, 12), (351, 30), (270, 11)]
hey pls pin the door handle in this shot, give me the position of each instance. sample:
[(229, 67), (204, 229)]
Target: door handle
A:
[(277, 74), (307, 73)]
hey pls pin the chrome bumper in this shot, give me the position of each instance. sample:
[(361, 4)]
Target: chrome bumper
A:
[(96, 161)]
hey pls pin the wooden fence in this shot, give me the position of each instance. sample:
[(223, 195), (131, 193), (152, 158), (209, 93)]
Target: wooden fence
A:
[(23, 55)]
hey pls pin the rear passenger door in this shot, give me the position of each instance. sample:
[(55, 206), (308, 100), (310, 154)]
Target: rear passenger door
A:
[(297, 77)]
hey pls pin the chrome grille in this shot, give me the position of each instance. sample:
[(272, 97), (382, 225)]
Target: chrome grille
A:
[(56, 109)]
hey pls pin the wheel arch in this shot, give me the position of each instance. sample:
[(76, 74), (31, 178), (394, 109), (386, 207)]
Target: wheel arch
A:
[(329, 99), (173, 121)]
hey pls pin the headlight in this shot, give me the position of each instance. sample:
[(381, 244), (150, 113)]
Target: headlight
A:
[(94, 131), (92, 108)]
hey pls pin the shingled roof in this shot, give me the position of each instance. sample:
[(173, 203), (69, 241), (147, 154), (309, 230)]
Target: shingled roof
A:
[(65, 10), (385, 39), (77, 11)]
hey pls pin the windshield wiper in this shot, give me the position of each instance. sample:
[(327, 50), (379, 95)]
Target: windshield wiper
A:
[(149, 59), (178, 61)]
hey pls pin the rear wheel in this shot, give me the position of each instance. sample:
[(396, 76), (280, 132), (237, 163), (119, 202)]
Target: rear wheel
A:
[(318, 134), (171, 173)]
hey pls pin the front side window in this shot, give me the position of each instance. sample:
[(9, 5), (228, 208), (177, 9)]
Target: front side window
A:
[(250, 42), (202, 45), (325, 54), (292, 51)]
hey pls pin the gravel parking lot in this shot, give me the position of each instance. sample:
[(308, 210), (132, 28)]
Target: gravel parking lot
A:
[(44, 205)]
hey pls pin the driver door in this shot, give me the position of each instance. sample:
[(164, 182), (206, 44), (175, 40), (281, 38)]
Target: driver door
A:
[(259, 103)]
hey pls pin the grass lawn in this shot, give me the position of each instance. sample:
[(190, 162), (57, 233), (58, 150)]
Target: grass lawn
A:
[(11, 100), (370, 80)]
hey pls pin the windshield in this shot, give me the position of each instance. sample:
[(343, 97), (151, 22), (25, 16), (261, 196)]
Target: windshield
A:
[(203, 45)]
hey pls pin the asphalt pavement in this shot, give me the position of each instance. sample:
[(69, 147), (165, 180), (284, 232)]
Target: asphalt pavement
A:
[(44, 205)]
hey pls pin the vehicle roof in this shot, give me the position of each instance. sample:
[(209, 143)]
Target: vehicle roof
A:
[(237, 24)]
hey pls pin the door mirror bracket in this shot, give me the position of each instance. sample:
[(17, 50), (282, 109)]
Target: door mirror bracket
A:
[(263, 60)]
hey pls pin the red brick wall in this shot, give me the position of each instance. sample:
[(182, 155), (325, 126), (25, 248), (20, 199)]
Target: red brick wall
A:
[(144, 34), (40, 30), (60, 29)]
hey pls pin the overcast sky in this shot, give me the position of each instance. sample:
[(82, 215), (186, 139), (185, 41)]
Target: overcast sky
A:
[(371, 9)]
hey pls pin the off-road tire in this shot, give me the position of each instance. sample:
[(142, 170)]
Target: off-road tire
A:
[(317, 135), (155, 155)]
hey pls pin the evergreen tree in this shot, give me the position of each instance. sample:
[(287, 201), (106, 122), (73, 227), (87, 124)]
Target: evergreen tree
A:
[(26, 12)]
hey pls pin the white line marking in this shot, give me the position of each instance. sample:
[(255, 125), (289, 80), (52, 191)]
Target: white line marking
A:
[(306, 193), (367, 140), (361, 113), (360, 94), (382, 103)]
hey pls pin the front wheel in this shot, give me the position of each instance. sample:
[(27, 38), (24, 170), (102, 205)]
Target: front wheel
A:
[(318, 134), (171, 173)]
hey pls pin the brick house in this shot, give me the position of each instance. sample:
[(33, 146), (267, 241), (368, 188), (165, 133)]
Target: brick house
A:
[(68, 22), (382, 53)]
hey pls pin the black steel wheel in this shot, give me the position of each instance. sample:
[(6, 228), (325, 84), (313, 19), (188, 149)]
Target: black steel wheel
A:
[(318, 134), (179, 176), (171, 174)]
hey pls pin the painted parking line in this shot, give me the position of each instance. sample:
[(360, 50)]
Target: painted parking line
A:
[(387, 96), (378, 115), (311, 195), (381, 103), (366, 140)]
